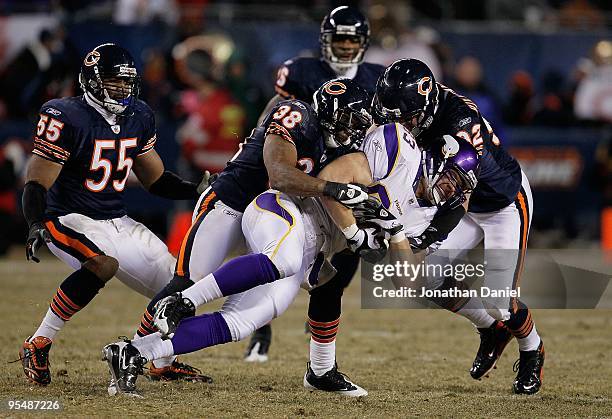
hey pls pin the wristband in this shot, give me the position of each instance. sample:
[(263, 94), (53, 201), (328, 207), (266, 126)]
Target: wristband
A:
[(350, 231)]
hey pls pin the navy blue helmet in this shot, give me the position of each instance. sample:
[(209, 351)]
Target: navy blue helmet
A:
[(109, 78), (406, 93), (343, 110), (340, 23)]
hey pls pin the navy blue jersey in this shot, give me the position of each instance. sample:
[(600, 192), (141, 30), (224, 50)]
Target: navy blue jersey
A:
[(246, 176), (96, 160), (500, 174), (299, 78)]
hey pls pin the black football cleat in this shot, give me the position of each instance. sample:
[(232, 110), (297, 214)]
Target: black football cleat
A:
[(177, 371), (34, 358), (332, 381), (493, 341), (530, 371), (170, 311), (259, 345), (124, 364)]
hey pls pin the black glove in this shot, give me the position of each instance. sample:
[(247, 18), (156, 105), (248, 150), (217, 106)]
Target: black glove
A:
[(369, 245), (372, 212), (36, 237), (428, 241), (348, 194)]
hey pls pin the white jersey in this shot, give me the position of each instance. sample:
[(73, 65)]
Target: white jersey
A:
[(395, 164)]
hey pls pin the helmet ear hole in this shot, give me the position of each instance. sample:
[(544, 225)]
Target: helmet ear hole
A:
[(408, 89)]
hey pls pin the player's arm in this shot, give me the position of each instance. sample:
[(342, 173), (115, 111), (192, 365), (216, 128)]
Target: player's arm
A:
[(444, 221), (280, 159), (363, 241), (149, 169), (40, 176)]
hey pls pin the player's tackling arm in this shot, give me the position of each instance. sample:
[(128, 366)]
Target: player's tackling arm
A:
[(149, 169), (350, 168), (280, 159)]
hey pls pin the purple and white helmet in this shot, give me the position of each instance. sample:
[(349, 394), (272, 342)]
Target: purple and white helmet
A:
[(451, 168)]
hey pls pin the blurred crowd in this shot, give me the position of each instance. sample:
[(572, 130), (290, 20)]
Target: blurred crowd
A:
[(199, 78)]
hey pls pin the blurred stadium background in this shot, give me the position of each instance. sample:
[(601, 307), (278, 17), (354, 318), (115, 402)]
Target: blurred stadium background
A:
[(540, 71)]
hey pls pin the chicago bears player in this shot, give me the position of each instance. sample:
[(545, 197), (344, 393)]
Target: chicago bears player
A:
[(343, 40), (421, 203), (289, 238), (84, 150), (499, 210), (290, 147)]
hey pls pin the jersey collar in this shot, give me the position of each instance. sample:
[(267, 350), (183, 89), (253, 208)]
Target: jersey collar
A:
[(109, 117)]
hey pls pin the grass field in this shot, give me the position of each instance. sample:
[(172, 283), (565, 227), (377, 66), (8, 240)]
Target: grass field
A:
[(413, 363)]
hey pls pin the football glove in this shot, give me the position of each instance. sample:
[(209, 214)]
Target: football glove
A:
[(36, 237), (207, 180), (372, 212), (348, 194), (369, 244), (429, 241)]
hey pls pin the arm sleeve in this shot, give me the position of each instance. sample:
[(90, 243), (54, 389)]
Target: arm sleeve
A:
[(53, 135), (149, 131), (171, 186), (293, 121)]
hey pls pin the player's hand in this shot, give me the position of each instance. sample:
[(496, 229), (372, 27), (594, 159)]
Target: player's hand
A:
[(373, 212), (36, 237), (429, 241), (369, 244), (348, 194), (416, 245), (207, 180)]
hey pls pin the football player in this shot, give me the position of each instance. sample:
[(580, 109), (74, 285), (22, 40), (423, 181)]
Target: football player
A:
[(293, 232), (343, 40), (499, 210), (85, 148), (289, 239), (285, 152)]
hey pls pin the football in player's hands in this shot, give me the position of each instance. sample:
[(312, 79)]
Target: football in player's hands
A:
[(348, 194), (37, 235)]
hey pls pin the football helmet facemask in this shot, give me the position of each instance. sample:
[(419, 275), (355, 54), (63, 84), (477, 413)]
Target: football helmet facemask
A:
[(450, 169), (343, 110), (343, 23)]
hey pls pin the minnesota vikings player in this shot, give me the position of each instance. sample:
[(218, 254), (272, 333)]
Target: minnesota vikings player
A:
[(344, 38), (84, 150), (289, 239), (499, 210)]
